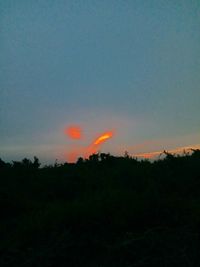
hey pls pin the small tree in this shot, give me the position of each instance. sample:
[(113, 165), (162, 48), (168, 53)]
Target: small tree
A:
[(36, 163), (2, 164), (80, 160), (94, 157)]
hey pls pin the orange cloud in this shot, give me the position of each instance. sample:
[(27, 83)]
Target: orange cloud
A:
[(102, 138), (179, 150), (75, 152), (96, 144), (72, 156), (148, 155), (74, 132)]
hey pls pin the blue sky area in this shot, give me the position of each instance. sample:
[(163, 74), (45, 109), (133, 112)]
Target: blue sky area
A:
[(128, 66)]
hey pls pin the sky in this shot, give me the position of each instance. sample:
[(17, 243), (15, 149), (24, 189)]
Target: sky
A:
[(131, 67)]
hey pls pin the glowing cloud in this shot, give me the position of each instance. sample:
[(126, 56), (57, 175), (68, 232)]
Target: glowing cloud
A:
[(149, 155), (176, 151), (95, 145), (73, 154), (102, 138), (74, 132)]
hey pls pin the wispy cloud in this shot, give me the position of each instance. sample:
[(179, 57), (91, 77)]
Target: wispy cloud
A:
[(178, 150)]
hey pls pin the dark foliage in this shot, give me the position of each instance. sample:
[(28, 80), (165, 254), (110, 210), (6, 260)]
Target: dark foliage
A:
[(104, 211)]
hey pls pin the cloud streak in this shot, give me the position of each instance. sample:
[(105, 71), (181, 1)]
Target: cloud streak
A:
[(178, 150), (86, 151)]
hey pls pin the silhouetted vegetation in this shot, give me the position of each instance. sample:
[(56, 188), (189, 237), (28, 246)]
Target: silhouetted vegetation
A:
[(104, 211)]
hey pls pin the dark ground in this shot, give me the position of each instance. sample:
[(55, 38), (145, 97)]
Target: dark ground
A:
[(106, 211)]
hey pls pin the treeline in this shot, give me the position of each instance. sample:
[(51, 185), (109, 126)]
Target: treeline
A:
[(101, 211), (24, 164)]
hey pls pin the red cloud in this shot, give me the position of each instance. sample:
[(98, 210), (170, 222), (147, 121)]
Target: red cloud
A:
[(74, 132)]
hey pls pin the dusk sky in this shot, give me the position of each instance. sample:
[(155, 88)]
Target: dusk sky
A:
[(130, 67)]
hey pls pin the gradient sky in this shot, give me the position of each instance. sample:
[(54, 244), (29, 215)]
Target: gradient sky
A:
[(128, 66)]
